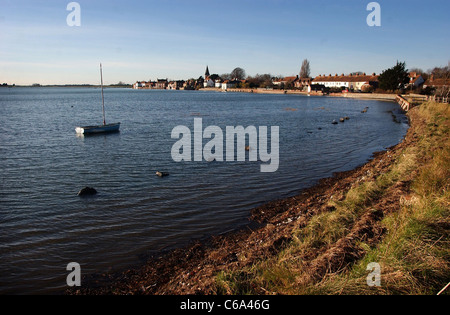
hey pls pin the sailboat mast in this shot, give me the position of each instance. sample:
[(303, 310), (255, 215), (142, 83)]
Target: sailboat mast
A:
[(103, 97)]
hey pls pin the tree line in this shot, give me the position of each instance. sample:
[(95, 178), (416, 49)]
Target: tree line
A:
[(395, 79), (398, 77)]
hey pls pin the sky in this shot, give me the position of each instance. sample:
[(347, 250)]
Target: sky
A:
[(177, 39)]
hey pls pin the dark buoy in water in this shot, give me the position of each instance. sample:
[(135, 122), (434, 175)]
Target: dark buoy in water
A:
[(87, 191), (334, 122), (162, 174)]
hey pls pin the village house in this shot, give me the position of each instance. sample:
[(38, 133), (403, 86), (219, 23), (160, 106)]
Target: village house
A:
[(176, 85), (161, 84), (143, 85), (354, 82), (297, 82), (415, 80), (218, 83), (139, 85), (302, 83), (209, 83), (150, 85), (229, 84), (432, 82), (284, 81)]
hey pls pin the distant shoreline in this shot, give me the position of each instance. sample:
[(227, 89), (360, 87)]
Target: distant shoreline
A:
[(360, 96), (67, 86)]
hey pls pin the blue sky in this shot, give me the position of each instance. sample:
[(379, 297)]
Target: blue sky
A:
[(142, 40)]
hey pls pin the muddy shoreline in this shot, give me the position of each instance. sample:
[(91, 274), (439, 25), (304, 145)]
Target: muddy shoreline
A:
[(192, 269)]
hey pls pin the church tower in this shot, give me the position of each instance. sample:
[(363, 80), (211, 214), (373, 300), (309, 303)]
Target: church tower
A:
[(207, 72)]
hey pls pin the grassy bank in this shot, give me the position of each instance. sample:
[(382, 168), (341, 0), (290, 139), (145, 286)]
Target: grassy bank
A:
[(399, 218)]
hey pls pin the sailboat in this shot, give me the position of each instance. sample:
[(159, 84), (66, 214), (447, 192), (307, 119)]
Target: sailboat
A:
[(105, 128)]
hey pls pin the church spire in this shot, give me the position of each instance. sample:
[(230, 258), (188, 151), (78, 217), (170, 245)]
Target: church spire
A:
[(207, 72)]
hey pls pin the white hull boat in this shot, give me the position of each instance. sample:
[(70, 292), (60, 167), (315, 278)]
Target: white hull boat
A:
[(105, 128)]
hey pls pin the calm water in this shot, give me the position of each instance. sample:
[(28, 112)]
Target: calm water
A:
[(44, 225)]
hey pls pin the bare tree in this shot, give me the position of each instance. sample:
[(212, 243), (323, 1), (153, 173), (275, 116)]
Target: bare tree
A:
[(443, 91), (442, 73), (238, 74), (226, 76), (305, 72)]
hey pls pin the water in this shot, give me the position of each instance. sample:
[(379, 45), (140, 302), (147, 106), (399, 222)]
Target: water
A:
[(44, 225)]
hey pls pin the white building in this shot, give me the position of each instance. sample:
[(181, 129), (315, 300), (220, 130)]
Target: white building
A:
[(218, 83), (139, 85), (209, 83), (415, 80), (351, 82), (228, 85)]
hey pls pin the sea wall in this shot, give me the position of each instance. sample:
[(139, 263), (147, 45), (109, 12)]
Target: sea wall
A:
[(369, 96)]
